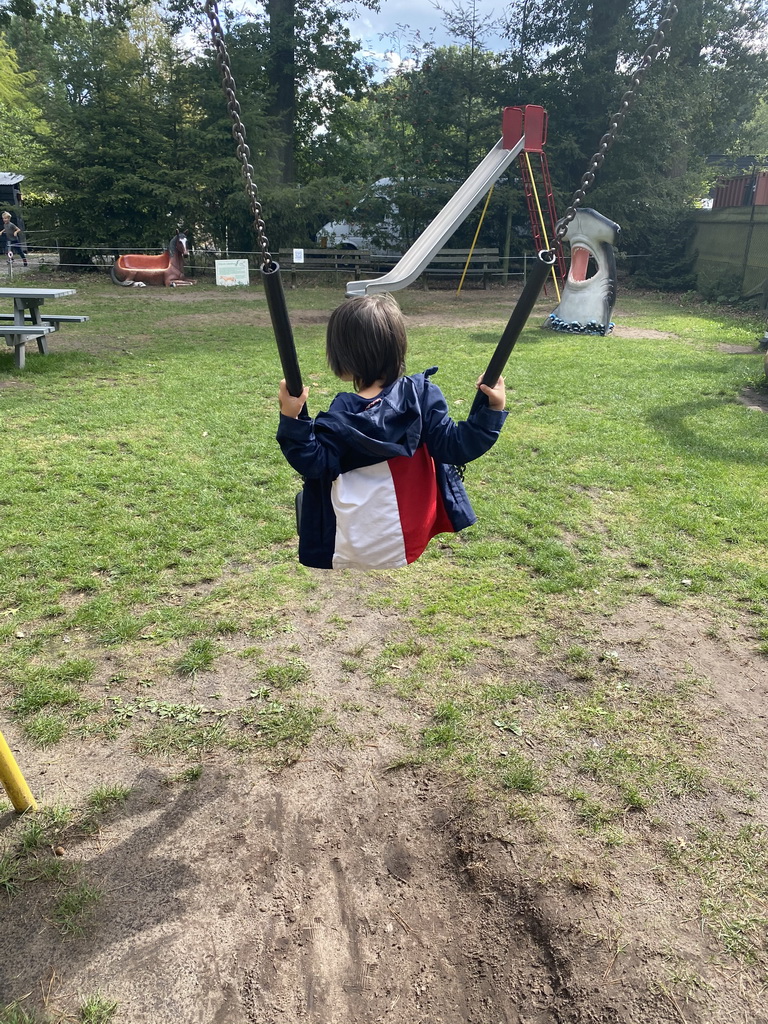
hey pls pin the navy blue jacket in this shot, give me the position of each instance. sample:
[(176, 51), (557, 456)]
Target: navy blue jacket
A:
[(379, 476)]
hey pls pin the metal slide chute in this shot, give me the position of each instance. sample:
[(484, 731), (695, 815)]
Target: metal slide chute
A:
[(454, 213)]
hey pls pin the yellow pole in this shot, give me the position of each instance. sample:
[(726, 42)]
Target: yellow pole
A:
[(474, 241), (13, 781), (541, 221)]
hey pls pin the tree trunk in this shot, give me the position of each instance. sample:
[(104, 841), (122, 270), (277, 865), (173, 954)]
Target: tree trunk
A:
[(686, 42), (686, 37), (602, 45), (282, 76)]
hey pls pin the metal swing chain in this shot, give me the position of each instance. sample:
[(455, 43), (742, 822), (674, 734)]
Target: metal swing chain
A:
[(596, 161), (238, 130)]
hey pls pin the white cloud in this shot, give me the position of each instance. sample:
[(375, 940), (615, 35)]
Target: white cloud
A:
[(417, 15)]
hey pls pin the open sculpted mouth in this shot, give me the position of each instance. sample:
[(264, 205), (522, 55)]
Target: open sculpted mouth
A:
[(581, 270)]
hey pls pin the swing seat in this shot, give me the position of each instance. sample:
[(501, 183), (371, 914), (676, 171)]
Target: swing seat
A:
[(138, 262)]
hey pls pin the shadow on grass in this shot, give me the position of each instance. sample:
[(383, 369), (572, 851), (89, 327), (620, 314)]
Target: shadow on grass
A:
[(673, 422), (533, 334)]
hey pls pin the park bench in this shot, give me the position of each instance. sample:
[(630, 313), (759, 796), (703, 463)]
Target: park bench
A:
[(451, 262), (16, 337), (350, 263)]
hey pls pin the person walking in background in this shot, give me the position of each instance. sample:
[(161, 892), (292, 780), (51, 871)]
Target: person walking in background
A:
[(12, 237)]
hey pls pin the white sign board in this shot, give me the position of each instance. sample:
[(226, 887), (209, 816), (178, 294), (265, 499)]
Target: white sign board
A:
[(231, 272), (298, 255)]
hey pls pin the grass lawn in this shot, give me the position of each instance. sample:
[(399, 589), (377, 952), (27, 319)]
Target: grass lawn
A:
[(148, 544)]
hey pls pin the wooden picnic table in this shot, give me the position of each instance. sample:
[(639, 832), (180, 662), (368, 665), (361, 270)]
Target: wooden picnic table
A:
[(27, 322)]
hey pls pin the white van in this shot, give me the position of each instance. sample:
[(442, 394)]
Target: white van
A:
[(343, 234)]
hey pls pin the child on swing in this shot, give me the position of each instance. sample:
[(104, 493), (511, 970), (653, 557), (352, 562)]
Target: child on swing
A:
[(379, 468)]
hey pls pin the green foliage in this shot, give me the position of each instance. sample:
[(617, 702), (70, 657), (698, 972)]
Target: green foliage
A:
[(738, 854), (45, 730), (123, 135), (14, 84), (576, 62), (41, 691), (725, 289), (185, 737), (200, 655), (667, 263), (754, 134), (521, 774), (283, 677), (20, 118), (123, 132), (8, 875), (105, 797), (13, 1013), (448, 732), (291, 724), (98, 1009)]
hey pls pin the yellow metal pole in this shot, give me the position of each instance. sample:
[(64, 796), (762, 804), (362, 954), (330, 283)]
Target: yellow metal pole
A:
[(13, 781), (474, 241), (541, 220)]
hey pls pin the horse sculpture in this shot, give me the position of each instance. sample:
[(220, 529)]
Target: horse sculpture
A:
[(166, 269)]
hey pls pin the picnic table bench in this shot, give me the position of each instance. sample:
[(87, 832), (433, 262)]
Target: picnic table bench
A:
[(17, 336), (54, 319), (27, 323)]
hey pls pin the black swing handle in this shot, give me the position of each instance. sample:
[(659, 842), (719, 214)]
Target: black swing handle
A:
[(517, 321), (281, 325)]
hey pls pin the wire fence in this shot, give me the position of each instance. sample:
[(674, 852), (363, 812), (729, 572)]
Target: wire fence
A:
[(327, 265)]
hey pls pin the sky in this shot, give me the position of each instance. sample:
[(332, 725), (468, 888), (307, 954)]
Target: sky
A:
[(420, 15)]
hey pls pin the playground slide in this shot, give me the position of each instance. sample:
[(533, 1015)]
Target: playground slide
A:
[(434, 236)]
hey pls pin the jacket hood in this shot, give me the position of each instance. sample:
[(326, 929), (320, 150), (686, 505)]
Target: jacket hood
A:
[(390, 425)]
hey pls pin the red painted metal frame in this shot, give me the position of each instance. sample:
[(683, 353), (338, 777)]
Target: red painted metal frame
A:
[(532, 121)]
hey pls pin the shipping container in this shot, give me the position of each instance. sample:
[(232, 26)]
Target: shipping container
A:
[(746, 190)]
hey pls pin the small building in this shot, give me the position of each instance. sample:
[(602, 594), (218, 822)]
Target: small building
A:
[(10, 196), (731, 238)]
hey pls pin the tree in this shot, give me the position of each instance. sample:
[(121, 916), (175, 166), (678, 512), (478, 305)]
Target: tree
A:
[(427, 126), (307, 64), (16, 8), (20, 118), (119, 156), (704, 85), (753, 138)]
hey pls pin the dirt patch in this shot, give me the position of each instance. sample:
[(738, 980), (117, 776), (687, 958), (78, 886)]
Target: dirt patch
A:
[(755, 400), (324, 895), (343, 889), (242, 318), (620, 331), (737, 350)]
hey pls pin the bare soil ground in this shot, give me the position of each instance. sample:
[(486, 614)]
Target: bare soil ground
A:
[(338, 890)]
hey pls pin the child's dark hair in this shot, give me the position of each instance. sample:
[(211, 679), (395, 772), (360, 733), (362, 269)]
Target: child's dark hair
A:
[(366, 340)]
